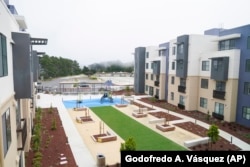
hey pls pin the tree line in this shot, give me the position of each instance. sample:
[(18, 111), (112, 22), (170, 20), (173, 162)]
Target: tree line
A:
[(52, 67)]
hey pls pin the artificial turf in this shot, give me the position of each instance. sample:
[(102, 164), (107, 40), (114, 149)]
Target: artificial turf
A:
[(125, 127)]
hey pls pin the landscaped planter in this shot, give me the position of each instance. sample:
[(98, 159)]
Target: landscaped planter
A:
[(164, 127), (139, 115)]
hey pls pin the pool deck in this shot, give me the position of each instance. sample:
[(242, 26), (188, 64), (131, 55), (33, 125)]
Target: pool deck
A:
[(85, 149)]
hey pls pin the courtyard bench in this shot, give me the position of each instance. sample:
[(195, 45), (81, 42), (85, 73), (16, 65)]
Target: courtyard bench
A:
[(195, 142), (156, 120)]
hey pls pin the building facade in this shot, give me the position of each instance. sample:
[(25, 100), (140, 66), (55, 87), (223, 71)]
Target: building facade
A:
[(17, 97), (139, 70), (208, 73)]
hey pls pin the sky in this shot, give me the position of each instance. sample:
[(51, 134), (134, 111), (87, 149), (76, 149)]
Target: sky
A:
[(95, 31)]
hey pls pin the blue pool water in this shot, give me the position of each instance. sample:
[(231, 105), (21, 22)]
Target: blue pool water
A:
[(93, 102)]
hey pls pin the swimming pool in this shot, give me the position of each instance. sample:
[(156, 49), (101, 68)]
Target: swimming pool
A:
[(94, 102)]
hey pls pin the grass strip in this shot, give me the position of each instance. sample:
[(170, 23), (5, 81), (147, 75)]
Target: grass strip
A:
[(125, 127)]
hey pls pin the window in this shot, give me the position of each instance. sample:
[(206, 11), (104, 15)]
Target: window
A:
[(219, 108), (172, 80), (173, 50), (173, 65), (247, 68), (182, 100), (246, 112), (180, 64), (217, 64), (162, 52), (146, 65), (248, 42), (146, 76), (220, 86), (205, 66), (146, 88), (152, 77), (180, 48), (247, 88), (6, 128), (183, 82), (227, 44), (204, 83), (172, 95), (3, 56), (152, 65), (147, 54), (203, 102)]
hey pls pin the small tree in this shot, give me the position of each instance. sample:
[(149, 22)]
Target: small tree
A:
[(213, 134), (129, 145), (127, 91)]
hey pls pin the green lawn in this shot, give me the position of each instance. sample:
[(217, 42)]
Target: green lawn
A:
[(124, 126)]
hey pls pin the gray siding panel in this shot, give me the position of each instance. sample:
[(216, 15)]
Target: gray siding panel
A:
[(139, 73), (22, 65)]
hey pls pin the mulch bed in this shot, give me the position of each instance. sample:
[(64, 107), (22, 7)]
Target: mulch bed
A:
[(233, 128), (221, 145), (54, 143), (162, 114)]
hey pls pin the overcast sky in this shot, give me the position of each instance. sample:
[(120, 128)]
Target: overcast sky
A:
[(94, 31)]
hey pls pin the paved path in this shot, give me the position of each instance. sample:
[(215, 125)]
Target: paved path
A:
[(85, 149)]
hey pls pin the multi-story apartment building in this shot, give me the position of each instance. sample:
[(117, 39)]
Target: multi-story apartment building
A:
[(155, 70), (234, 47), (17, 107), (208, 73)]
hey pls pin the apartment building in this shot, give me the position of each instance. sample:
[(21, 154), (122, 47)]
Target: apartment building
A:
[(17, 96), (155, 71), (235, 44)]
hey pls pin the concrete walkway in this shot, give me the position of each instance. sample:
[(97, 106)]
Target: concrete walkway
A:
[(85, 149)]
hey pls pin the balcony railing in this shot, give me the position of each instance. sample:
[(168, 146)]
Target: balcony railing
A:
[(182, 89), (22, 128), (157, 83), (181, 106), (219, 94), (218, 116)]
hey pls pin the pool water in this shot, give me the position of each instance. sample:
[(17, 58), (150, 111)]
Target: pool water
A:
[(93, 102)]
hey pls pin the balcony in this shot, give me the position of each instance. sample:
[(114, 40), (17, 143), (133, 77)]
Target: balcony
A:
[(22, 129), (218, 116), (219, 94), (157, 83), (181, 106), (182, 89)]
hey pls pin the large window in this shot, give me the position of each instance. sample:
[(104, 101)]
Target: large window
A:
[(146, 76), (246, 112), (217, 64), (183, 82), (147, 54), (219, 108), (204, 83), (220, 86), (180, 48), (247, 88), (152, 77), (3, 56), (182, 100), (203, 102), (227, 44), (247, 68), (146, 65), (205, 66), (6, 128), (146, 88)]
